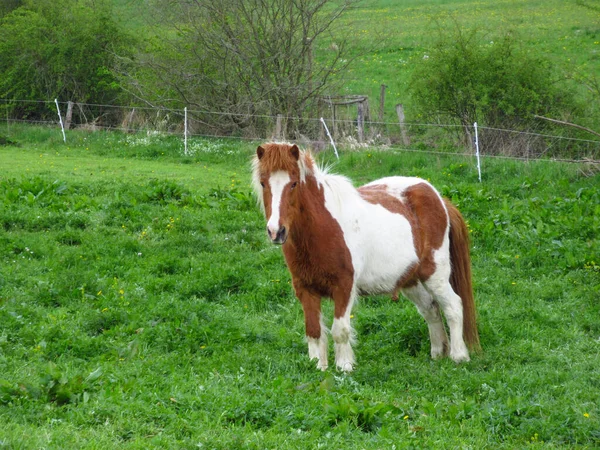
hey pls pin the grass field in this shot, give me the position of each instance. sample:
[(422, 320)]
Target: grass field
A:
[(141, 306)]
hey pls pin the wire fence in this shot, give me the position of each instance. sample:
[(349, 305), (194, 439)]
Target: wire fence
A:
[(348, 130)]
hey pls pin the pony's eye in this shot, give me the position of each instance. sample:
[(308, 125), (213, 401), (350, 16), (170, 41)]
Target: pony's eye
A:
[(262, 184), (294, 184)]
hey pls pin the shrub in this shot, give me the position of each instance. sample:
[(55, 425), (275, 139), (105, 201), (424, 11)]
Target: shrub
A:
[(467, 78)]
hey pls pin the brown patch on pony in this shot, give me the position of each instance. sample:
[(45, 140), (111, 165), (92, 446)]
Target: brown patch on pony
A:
[(408, 279), (311, 305), (460, 277), (431, 225), (319, 261), (377, 194)]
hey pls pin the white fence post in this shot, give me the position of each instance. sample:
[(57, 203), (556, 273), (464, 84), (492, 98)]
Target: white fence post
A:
[(185, 131), (62, 127), (477, 151), (330, 138)]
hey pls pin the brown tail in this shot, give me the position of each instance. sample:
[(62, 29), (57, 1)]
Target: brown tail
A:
[(460, 278)]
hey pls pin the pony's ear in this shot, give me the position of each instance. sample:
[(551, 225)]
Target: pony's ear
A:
[(260, 152), (295, 152)]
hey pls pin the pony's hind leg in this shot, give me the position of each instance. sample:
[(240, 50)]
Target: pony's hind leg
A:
[(316, 333), (439, 286), (430, 311), (341, 331)]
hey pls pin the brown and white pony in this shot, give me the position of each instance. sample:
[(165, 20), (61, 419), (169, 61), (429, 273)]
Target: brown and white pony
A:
[(393, 234)]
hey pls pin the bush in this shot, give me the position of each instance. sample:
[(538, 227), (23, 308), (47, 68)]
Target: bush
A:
[(467, 78)]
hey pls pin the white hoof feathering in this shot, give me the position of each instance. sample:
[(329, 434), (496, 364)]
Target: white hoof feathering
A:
[(344, 357), (317, 349), (459, 357)]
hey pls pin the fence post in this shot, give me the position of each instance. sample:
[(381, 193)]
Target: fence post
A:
[(62, 127), (381, 102), (128, 120), (278, 121), (335, 124), (185, 131), (361, 122), (477, 151), (69, 115), (400, 112)]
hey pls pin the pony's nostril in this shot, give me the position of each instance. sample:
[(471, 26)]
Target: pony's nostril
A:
[(281, 234)]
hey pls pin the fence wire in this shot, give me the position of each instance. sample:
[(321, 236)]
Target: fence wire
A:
[(539, 140)]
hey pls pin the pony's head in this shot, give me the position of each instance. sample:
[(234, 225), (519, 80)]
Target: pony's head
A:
[(279, 171)]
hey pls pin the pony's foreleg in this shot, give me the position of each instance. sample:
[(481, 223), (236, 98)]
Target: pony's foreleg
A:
[(316, 333), (341, 331), (430, 311)]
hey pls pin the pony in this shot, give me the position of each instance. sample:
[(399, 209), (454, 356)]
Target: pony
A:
[(395, 234)]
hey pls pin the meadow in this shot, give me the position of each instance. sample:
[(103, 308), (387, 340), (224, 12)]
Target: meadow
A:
[(141, 306)]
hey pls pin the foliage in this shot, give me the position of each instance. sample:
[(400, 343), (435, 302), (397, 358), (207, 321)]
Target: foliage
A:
[(8, 5), (59, 49), (141, 306), (497, 83)]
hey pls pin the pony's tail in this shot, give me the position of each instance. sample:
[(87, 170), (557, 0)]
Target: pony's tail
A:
[(460, 277)]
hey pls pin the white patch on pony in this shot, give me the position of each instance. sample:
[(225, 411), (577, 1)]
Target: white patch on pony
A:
[(317, 348), (344, 337), (278, 181)]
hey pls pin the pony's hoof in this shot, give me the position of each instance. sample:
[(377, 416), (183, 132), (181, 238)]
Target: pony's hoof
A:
[(437, 354), (345, 367), (321, 367), (460, 358)]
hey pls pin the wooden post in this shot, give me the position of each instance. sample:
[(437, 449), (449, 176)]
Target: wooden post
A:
[(381, 102), (321, 137), (278, 127), (69, 115), (335, 124), (361, 122), (127, 121), (400, 112)]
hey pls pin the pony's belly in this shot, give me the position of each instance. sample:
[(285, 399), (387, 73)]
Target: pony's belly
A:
[(383, 281)]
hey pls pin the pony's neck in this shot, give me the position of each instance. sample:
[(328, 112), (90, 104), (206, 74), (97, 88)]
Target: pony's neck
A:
[(311, 211)]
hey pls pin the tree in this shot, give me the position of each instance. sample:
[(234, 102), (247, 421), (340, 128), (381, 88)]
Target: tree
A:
[(246, 58)]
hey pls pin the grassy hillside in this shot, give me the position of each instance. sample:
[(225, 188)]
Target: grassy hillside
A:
[(390, 37), (395, 35), (142, 307)]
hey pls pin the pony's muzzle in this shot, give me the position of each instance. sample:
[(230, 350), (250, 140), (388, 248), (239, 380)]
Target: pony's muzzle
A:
[(279, 236)]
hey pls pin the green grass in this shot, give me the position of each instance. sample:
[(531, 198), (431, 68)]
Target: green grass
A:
[(141, 306)]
